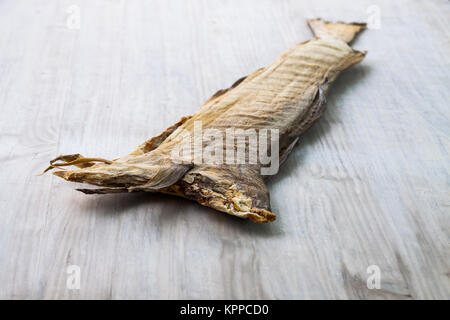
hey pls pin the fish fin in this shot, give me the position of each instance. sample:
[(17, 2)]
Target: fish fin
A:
[(238, 191), (338, 30), (140, 172), (165, 176), (103, 190), (223, 91), (153, 143), (73, 160)]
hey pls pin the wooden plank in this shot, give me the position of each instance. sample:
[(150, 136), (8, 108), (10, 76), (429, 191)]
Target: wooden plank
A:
[(368, 185)]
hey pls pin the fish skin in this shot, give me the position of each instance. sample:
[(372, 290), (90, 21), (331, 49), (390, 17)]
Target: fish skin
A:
[(288, 95)]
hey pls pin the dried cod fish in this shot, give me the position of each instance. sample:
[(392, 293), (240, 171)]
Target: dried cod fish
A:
[(288, 95)]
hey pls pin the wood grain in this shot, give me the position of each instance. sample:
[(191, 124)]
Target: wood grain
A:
[(367, 185)]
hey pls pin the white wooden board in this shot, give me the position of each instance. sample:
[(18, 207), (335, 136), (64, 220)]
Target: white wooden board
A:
[(378, 159)]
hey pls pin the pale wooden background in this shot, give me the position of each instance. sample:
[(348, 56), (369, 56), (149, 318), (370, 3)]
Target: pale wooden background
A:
[(368, 185)]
